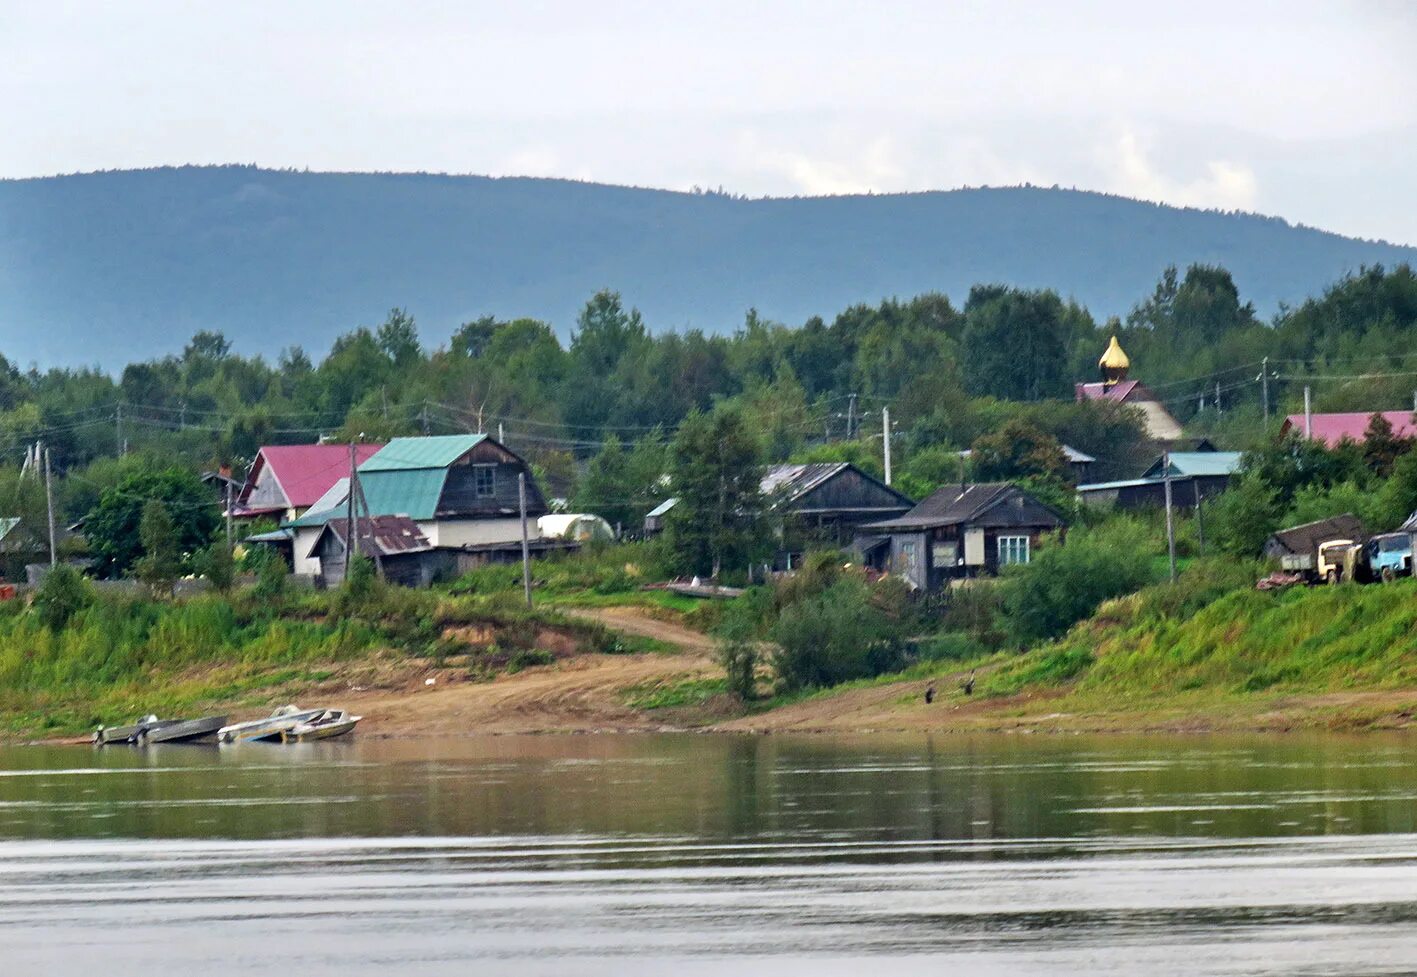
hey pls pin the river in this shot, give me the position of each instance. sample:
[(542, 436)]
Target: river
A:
[(714, 855)]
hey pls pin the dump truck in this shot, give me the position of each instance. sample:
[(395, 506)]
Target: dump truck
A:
[(1324, 551)]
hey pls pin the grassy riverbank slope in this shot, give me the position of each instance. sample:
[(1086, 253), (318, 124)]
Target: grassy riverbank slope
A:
[(1328, 657)]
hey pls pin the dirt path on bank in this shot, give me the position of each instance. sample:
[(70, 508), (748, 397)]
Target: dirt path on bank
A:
[(583, 694)]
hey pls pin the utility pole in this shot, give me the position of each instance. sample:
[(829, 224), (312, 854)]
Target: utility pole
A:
[(501, 436), (1170, 519), (369, 518), (425, 417), (1308, 416), (49, 501), (230, 533), (1200, 519), (350, 536), (526, 543), (886, 439), (1264, 388), (851, 418), (118, 432), (1217, 396)]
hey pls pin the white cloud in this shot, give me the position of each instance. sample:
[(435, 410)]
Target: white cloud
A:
[(1129, 170)]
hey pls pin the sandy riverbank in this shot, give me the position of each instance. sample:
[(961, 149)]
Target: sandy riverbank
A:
[(592, 694)]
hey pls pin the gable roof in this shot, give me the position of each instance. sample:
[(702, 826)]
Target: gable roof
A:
[(788, 483), (411, 454), (304, 472), (1119, 391), (1196, 464), (950, 506), (388, 535), (1333, 428)]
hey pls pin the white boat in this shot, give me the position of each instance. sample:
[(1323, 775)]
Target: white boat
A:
[(270, 728), (330, 723), (132, 733)]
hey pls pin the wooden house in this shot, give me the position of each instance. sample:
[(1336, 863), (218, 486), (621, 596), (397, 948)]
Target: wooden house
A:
[(1195, 476), (285, 481), (460, 490), (960, 531)]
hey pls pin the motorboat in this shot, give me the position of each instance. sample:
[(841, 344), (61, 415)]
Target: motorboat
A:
[(111, 735), (270, 728), (330, 723), (182, 731)]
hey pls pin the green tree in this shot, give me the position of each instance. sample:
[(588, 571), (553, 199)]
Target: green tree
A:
[(716, 476), (1381, 447), (1014, 344), (622, 486), (1019, 450), (162, 559), (217, 565), (1240, 520), (62, 594), (113, 526), (398, 338)]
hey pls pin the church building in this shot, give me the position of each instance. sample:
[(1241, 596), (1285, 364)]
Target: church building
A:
[(1115, 386)]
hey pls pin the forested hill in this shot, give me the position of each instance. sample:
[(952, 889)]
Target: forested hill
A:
[(111, 267)]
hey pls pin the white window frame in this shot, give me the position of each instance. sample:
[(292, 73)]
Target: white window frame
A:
[(1013, 550), (477, 471)]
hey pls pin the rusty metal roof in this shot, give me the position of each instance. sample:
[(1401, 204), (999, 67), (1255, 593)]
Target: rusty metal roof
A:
[(388, 535)]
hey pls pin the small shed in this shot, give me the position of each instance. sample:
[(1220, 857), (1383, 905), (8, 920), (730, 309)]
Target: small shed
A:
[(1305, 539), (403, 553), (960, 531)]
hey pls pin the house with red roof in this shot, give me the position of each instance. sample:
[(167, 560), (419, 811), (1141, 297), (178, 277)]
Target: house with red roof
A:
[(1332, 429), (285, 480)]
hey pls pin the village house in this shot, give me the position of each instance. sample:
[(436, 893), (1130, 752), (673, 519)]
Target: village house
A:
[(461, 492), (285, 481), (1333, 429), (960, 531), (1195, 475), (1118, 388), (813, 505)]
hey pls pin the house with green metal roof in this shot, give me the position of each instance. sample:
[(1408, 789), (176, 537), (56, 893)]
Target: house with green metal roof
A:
[(460, 489), (1195, 475)]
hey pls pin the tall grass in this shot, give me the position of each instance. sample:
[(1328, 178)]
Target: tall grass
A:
[(1170, 640)]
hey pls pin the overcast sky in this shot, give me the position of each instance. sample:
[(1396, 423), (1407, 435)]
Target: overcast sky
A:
[(1302, 108)]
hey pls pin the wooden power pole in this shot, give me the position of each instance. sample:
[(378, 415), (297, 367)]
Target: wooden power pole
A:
[(526, 541), (49, 501)]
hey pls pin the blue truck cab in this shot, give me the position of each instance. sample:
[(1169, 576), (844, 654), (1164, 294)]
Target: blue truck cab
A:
[(1390, 555)]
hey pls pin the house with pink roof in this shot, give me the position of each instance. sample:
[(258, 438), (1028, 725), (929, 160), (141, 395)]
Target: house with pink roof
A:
[(1332, 429), (285, 480)]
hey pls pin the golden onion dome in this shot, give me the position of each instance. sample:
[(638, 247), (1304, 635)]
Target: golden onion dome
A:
[(1114, 358)]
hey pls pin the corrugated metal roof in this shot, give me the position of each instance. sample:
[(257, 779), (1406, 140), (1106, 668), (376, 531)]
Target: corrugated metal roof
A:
[(662, 508), (406, 492), (388, 535), (304, 472), (1334, 428), (405, 454), (793, 481), (1198, 464)]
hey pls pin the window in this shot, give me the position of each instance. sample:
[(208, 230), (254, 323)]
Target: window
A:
[(1013, 549), (909, 558), (484, 478)]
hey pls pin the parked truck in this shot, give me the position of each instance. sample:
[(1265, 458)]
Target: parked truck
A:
[(1325, 551), (1389, 555)]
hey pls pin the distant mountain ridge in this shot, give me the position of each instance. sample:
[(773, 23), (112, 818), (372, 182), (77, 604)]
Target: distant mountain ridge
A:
[(105, 268)]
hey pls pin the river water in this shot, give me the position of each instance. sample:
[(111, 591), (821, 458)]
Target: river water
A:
[(713, 855)]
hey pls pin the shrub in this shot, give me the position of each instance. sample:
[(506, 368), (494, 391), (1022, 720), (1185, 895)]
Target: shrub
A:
[(1066, 583), (217, 565), (835, 636), (270, 582), (63, 593), (528, 657)]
